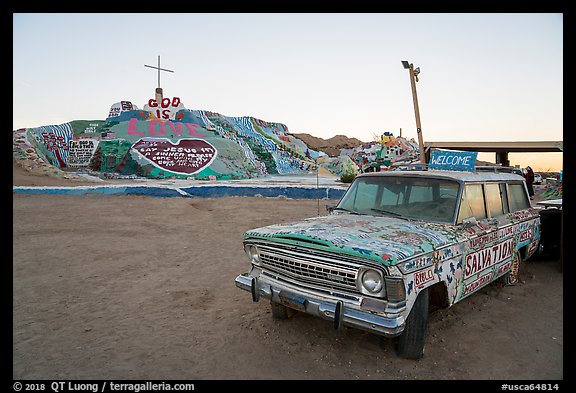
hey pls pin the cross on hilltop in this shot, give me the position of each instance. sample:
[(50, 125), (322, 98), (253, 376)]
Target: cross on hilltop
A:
[(158, 89)]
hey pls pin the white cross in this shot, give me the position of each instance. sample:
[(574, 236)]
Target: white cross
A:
[(159, 69)]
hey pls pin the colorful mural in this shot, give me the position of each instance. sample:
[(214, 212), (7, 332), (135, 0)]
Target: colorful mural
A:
[(552, 189), (26, 156), (187, 157), (166, 140), (53, 141), (341, 165), (190, 144), (385, 152)]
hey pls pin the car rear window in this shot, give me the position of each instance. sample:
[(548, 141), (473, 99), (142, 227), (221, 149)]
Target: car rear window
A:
[(518, 197)]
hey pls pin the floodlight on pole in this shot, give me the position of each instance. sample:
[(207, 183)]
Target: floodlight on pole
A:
[(413, 79)]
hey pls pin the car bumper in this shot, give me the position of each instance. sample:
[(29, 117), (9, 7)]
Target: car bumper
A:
[(339, 311)]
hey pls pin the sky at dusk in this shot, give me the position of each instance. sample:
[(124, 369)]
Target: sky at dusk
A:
[(483, 76)]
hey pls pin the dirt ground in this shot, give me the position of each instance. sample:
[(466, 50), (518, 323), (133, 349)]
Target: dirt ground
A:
[(138, 287)]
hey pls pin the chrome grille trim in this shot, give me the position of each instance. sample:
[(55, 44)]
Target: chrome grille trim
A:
[(312, 268), (356, 297)]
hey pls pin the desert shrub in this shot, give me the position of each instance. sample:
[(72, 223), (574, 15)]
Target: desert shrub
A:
[(347, 177)]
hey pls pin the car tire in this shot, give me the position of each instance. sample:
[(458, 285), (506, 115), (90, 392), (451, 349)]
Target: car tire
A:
[(410, 344), (512, 277), (280, 311)]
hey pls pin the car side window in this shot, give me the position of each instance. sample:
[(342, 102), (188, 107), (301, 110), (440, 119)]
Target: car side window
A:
[(472, 204), (494, 199), (518, 197)]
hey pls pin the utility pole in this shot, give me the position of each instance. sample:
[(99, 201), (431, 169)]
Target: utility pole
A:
[(413, 79)]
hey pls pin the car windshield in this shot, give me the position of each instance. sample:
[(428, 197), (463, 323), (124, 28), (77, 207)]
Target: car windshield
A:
[(426, 199)]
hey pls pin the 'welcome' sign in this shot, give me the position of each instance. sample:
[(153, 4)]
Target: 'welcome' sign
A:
[(453, 160)]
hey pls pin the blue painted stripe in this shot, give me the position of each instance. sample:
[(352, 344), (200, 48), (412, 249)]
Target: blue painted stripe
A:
[(153, 191), (70, 190), (201, 191), (289, 192)]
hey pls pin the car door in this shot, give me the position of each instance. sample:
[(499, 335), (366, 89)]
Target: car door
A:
[(498, 207), (489, 247)]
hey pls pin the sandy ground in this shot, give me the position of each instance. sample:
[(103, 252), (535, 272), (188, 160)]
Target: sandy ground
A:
[(137, 287)]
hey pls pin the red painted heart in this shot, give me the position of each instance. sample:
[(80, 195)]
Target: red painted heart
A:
[(187, 157)]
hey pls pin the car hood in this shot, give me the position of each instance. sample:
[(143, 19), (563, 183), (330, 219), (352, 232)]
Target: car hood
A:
[(384, 239)]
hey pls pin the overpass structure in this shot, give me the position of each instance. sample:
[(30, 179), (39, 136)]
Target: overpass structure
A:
[(501, 148)]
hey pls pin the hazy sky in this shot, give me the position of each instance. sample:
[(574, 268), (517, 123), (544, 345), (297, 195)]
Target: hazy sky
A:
[(484, 77)]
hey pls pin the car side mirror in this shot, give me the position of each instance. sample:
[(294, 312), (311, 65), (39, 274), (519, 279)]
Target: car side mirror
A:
[(330, 208)]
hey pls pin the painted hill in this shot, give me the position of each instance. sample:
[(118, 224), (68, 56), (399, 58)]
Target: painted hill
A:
[(166, 140), (174, 142)]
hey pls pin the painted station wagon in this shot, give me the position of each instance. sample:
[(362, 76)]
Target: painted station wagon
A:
[(397, 243)]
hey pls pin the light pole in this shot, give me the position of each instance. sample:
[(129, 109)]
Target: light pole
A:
[(413, 79)]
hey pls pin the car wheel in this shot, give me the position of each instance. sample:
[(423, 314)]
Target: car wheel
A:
[(512, 277), (410, 344)]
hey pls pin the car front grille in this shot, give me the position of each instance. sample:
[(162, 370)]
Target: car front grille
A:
[(309, 268)]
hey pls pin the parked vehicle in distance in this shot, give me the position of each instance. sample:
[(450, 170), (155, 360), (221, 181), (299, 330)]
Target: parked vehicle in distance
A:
[(397, 243), (538, 178)]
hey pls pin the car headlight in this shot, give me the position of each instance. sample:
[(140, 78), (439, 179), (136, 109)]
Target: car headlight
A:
[(253, 253), (372, 281)]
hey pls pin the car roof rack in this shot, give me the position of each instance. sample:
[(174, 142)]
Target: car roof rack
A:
[(418, 166), (498, 168), (412, 166)]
